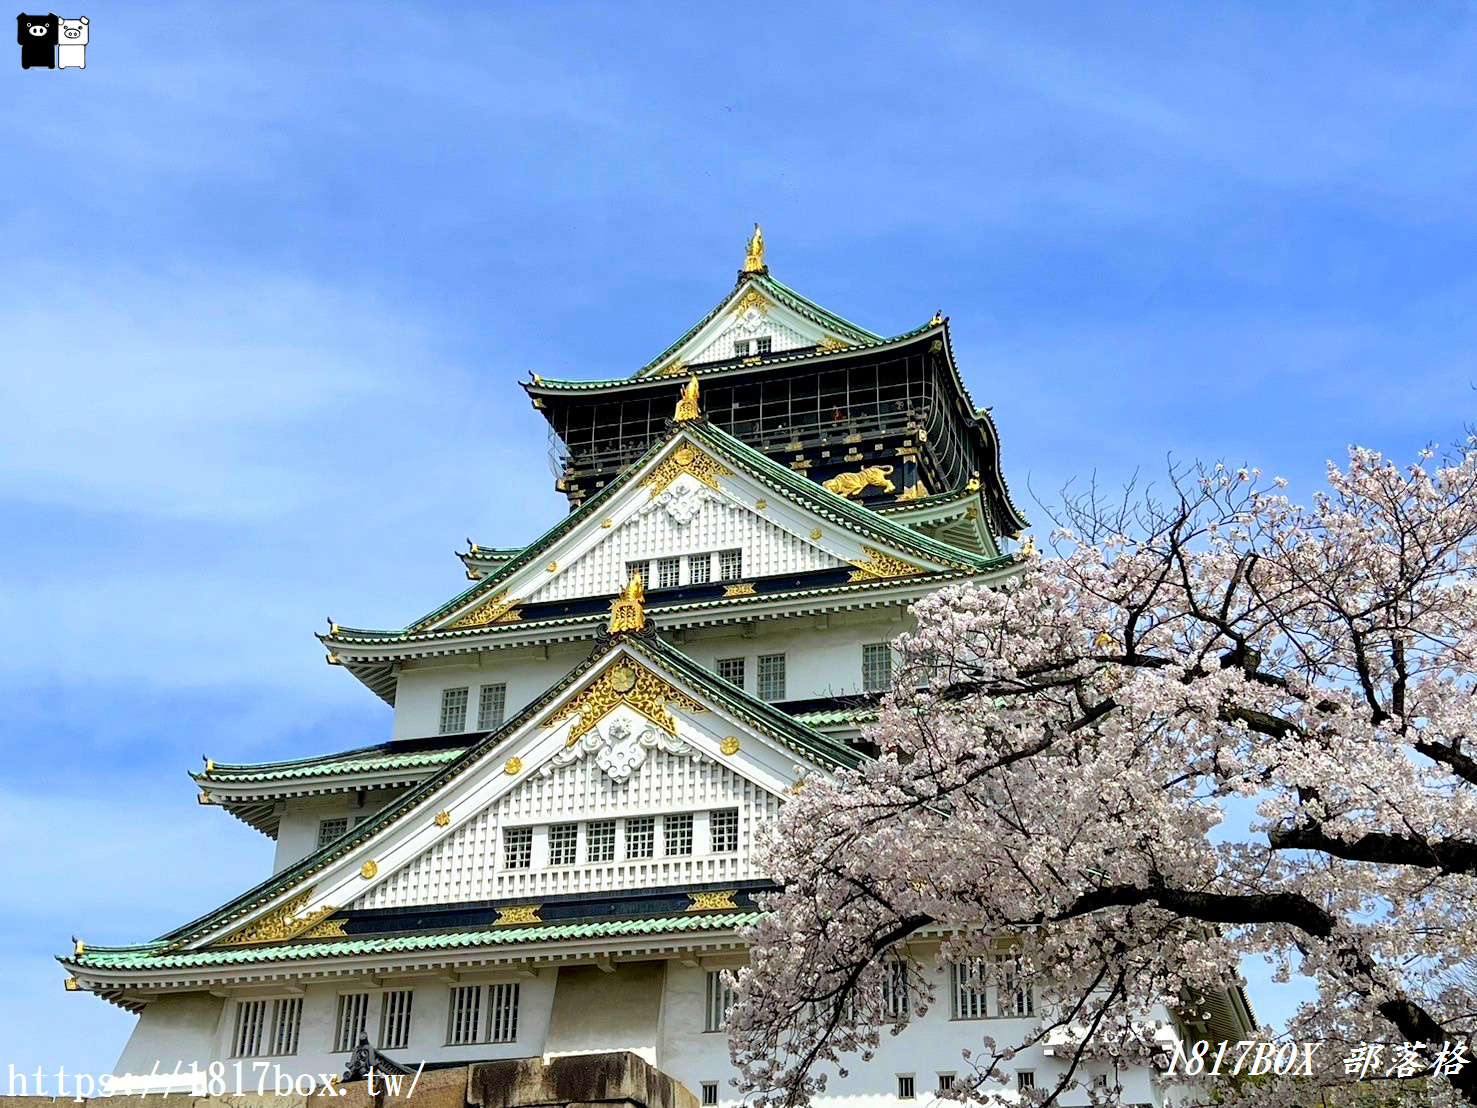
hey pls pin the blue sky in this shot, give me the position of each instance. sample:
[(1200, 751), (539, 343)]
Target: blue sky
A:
[(271, 273)]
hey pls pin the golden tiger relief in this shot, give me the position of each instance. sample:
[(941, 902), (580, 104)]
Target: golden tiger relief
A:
[(853, 484)]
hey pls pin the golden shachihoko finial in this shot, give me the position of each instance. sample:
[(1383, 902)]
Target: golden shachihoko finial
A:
[(687, 408), (627, 611), (754, 259)]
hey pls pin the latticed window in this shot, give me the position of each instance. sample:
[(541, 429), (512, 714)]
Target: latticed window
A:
[(600, 841), (771, 677), (563, 842), (876, 666), (723, 830), (740, 347), (470, 1022), (732, 671), (718, 1001), (453, 710), (668, 573), (967, 989), (492, 702), (765, 344), (730, 565), (395, 1019), (267, 1027), (502, 1013), (678, 833), (699, 569), (640, 569), (330, 829), (640, 837), (465, 1015), (351, 1021), (517, 847), (895, 991)]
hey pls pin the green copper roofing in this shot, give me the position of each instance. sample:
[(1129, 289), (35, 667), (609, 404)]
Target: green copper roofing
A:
[(157, 956), (828, 717), (364, 760)]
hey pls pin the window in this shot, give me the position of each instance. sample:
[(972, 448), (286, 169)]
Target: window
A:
[(723, 831), (352, 1021), (563, 840), (492, 701), (710, 1092), (972, 1000), (330, 829), (453, 710), (771, 677), (765, 344), (639, 569), (730, 565), (267, 1027), (518, 848), (600, 841), (895, 990), (967, 981), (395, 1019), (719, 1001), (740, 347), (668, 573), (466, 1014), (946, 1082), (1013, 994), (640, 837), (678, 831), (700, 569), (905, 1086), (1025, 1079), (502, 1025), (876, 666), (732, 671)]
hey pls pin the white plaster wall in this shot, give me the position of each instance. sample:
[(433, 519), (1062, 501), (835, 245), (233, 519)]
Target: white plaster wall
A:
[(526, 671), (297, 833), (180, 1028)]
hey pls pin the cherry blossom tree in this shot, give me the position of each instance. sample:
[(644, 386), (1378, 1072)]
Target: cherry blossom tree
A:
[(1212, 724)]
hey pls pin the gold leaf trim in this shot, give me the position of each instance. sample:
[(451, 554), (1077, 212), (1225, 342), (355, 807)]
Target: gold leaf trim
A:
[(328, 929), (518, 913), (879, 566), (712, 901), (745, 588), (729, 746), (685, 459), (513, 766), (623, 683), (369, 870), (753, 299), (443, 817), (495, 609), (828, 344), (282, 922)]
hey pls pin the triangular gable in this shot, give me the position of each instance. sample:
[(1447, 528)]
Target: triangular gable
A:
[(759, 307), (792, 524), (627, 684)]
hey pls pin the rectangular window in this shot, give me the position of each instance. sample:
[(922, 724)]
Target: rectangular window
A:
[(502, 1013), (1025, 1079), (267, 1027), (723, 830), (600, 841), (766, 344), (967, 981), (453, 711), (732, 671), (771, 677), (352, 1020), (668, 573), (905, 1087), (730, 565), (641, 569), (876, 666), (710, 1092), (678, 832), (563, 841), (740, 348), (466, 1015), (946, 1082), (1013, 995), (699, 569), (895, 991), (517, 847), (640, 836), (492, 702), (719, 1001), (330, 829), (395, 1019)]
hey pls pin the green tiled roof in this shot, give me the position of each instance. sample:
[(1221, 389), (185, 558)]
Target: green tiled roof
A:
[(825, 717), (156, 956), (365, 760)]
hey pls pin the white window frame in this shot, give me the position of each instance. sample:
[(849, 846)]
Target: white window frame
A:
[(326, 833), (275, 1028), (876, 667), (896, 1000), (492, 705), (731, 833), (665, 568), (767, 687), (907, 1086), (569, 833), (491, 1011), (397, 1008), (606, 831), (454, 710), (681, 823), (525, 848), (717, 1000), (464, 1015), (731, 564), (647, 825), (740, 664), (350, 1020), (693, 562), (709, 1096)]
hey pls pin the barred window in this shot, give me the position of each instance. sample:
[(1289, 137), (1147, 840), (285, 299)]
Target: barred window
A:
[(640, 836), (895, 991), (1025, 1079), (465, 1016), (453, 710), (517, 847), (723, 830), (967, 989), (600, 841), (946, 1082), (732, 671), (563, 842), (719, 1000), (906, 1087), (771, 677), (492, 702), (330, 829), (699, 569), (710, 1092), (876, 666), (678, 832), (395, 1019), (471, 1022), (502, 1022), (352, 1020), (730, 565), (641, 569), (267, 1027), (668, 573), (1013, 994)]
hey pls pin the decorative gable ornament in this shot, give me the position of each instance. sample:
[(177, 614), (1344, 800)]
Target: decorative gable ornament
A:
[(620, 750), (682, 501)]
